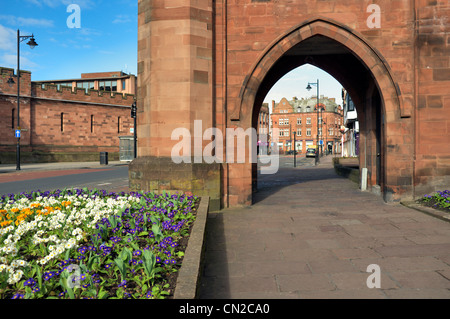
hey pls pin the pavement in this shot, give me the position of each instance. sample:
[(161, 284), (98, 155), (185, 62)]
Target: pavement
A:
[(33, 167), (311, 234), (314, 234), (30, 171)]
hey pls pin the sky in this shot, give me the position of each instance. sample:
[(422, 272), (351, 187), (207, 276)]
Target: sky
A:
[(105, 40), (295, 82)]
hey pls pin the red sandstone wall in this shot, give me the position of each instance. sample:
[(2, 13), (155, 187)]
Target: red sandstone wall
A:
[(77, 129), (40, 117), (415, 52), (433, 96)]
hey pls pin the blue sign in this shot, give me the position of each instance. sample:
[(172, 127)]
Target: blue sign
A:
[(17, 133), (321, 142)]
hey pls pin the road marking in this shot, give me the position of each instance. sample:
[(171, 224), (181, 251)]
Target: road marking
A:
[(104, 184)]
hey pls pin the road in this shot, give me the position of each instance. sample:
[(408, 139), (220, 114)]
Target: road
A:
[(112, 178)]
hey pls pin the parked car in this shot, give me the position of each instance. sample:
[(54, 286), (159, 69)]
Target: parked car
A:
[(291, 152), (311, 152)]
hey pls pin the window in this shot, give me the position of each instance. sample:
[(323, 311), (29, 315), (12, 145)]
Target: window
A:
[(320, 120), (331, 131), (281, 133), (308, 132), (86, 85), (286, 121), (308, 121), (114, 86), (299, 132), (299, 121), (124, 85), (63, 84), (308, 109), (320, 131), (350, 104), (108, 86)]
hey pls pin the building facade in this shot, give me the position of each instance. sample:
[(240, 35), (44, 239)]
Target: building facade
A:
[(61, 122), (310, 125), (223, 57), (350, 129), (263, 130)]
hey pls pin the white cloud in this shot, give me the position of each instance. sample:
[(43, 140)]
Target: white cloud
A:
[(21, 21), (10, 60), (106, 52), (89, 32), (85, 4), (121, 18), (7, 38)]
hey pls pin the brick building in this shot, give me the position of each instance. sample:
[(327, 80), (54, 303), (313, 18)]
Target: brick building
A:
[(263, 129), (300, 116), (350, 129), (222, 58), (65, 120)]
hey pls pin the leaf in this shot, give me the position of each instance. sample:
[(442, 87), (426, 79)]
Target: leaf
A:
[(149, 263), (144, 233), (102, 294), (157, 232), (122, 267), (63, 282)]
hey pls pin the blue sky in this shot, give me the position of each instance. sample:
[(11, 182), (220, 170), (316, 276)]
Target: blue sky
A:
[(295, 82), (105, 41)]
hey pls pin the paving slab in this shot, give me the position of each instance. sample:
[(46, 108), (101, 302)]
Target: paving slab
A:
[(313, 234)]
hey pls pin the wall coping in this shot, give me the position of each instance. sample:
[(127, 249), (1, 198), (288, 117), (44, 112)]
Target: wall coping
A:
[(189, 274)]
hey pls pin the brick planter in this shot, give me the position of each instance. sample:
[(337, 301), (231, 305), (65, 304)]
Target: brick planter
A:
[(189, 273)]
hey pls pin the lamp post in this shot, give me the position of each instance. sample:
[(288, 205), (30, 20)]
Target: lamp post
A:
[(317, 144), (32, 45), (295, 162), (133, 115)]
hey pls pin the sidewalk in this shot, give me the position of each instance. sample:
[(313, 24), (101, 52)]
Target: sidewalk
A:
[(313, 234), (32, 167), (8, 172)]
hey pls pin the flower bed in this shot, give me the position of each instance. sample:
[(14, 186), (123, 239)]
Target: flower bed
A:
[(439, 200), (92, 244)]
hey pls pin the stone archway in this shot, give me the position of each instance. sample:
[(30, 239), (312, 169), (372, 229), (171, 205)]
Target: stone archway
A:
[(213, 61), (339, 51)]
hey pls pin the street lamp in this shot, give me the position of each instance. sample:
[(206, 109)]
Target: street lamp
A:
[(10, 82), (317, 145), (32, 43), (295, 162), (133, 115)]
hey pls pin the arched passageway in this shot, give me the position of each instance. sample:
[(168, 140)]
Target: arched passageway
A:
[(350, 60), (213, 61)]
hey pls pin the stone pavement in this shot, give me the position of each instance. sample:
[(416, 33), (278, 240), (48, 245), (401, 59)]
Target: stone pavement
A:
[(33, 167), (29, 171), (312, 234)]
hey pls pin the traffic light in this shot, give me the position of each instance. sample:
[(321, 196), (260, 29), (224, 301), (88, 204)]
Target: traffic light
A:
[(133, 110)]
